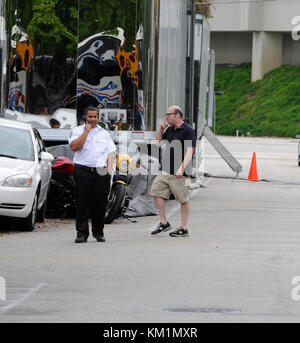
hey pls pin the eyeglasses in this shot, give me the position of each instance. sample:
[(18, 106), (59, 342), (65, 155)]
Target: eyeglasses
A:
[(168, 114)]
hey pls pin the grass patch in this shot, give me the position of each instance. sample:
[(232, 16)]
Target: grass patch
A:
[(268, 107)]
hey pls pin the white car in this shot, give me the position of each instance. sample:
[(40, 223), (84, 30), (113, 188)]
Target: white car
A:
[(25, 173)]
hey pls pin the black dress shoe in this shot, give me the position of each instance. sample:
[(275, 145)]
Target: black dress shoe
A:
[(81, 239), (99, 238)]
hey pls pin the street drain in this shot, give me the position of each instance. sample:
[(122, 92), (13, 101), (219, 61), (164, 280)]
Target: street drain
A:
[(202, 309)]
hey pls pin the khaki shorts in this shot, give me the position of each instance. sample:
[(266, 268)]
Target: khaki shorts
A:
[(164, 184)]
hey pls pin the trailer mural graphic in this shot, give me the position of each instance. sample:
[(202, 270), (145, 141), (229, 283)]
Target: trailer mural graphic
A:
[(19, 61), (109, 74)]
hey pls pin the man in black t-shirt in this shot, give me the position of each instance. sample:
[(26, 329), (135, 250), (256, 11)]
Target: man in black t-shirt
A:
[(180, 142)]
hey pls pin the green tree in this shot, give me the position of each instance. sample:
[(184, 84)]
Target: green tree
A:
[(50, 24), (107, 15), (53, 25), (50, 32)]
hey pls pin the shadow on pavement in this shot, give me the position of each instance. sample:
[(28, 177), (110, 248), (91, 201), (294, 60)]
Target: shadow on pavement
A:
[(8, 225)]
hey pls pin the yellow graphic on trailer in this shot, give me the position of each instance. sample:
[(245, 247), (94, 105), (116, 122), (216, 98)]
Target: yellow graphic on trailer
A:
[(25, 51), (129, 60), (20, 58), (22, 47)]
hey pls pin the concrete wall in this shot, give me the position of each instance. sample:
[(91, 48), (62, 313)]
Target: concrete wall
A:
[(236, 48), (227, 17), (278, 15), (290, 50), (257, 16), (232, 47), (266, 53)]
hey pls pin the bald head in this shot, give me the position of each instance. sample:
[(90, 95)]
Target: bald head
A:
[(175, 109)]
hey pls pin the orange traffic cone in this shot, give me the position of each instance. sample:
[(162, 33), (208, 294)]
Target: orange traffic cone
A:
[(253, 170)]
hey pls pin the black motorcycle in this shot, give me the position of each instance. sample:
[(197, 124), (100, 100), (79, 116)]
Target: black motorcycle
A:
[(61, 199), (118, 199)]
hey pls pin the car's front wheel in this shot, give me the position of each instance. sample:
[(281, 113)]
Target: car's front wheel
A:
[(28, 223), (41, 213)]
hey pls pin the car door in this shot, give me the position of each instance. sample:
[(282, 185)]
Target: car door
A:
[(44, 168)]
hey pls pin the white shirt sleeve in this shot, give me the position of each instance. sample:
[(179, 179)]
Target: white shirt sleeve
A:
[(74, 134), (110, 144)]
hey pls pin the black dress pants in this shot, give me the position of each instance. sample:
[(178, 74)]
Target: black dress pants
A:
[(92, 192)]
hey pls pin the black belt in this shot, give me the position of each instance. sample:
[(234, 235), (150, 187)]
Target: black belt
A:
[(91, 169)]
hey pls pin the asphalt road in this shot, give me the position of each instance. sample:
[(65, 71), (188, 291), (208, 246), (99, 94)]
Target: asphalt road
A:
[(237, 265)]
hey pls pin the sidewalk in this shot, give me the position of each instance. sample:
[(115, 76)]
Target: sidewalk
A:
[(277, 158)]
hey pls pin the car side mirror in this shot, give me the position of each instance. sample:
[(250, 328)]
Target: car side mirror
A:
[(46, 156)]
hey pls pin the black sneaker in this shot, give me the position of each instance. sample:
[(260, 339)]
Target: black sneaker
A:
[(161, 227), (99, 238), (81, 239), (180, 232)]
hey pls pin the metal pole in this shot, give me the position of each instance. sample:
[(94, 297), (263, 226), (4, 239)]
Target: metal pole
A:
[(154, 59), (3, 57), (215, 105), (192, 33)]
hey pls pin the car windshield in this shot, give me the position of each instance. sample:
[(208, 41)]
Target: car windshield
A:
[(16, 143)]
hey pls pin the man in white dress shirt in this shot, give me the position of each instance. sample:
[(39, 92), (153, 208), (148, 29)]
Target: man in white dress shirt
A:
[(93, 160)]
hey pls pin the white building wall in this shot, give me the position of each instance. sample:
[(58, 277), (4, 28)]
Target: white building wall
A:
[(232, 46), (266, 53), (290, 50), (227, 17), (257, 16), (236, 48), (278, 15)]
